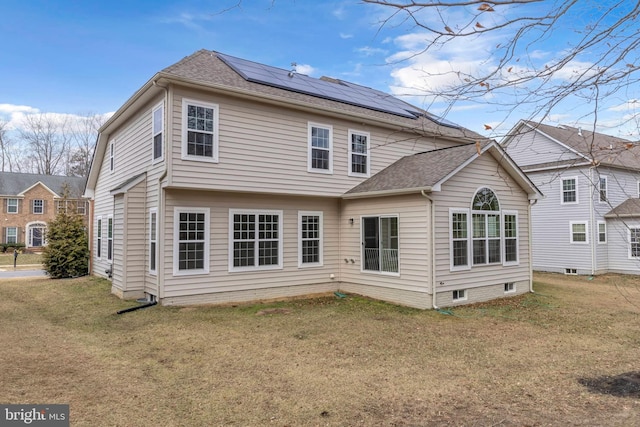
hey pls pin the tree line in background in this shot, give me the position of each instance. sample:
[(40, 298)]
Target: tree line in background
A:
[(50, 144)]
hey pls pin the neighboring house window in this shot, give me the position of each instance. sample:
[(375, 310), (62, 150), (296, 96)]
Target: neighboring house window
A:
[(510, 237), (602, 232), (638, 189), (634, 242), (12, 206), (112, 153), (320, 148), (255, 240), (358, 153), (82, 207), (310, 239), (569, 190), (579, 232), (11, 235), (109, 237), (37, 206), (191, 241), (380, 244), (459, 226), (157, 125), (485, 226), (99, 238), (153, 239), (484, 234), (602, 189), (36, 235), (200, 131)]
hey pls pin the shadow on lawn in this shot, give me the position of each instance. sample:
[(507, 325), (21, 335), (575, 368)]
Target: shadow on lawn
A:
[(623, 385)]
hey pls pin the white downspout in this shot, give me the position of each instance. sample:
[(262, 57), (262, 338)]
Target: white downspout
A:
[(433, 250), (161, 202), (530, 245), (592, 220)]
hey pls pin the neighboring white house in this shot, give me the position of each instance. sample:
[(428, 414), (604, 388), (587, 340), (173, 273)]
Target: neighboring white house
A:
[(589, 220), (223, 180)]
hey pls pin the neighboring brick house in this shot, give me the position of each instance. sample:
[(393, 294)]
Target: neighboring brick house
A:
[(30, 201)]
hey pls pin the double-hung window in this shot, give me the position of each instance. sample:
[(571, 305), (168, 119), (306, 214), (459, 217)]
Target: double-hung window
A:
[(602, 189), (569, 190), (483, 234), (358, 153), (255, 240), (153, 239), (157, 126), (112, 156), (11, 235), (602, 232), (12, 206), (109, 237), (309, 239), (191, 241), (37, 206), (199, 131), (380, 244), (320, 154), (579, 232), (99, 238), (634, 242)]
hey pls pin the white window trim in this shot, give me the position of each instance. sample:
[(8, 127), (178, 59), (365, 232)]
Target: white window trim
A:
[(112, 156), (160, 106), (468, 265), (504, 238), (29, 236), (310, 148), (99, 237), (17, 206), (176, 240), (562, 180), (153, 239), (110, 238), (511, 285), (606, 189), (320, 263), (215, 107), (605, 232), (638, 184), (279, 266), (586, 230), (6, 237), (629, 228), (368, 154), (464, 296), (33, 207)]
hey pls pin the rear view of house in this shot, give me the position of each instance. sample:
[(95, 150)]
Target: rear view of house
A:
[(30, 201), (224, 180)]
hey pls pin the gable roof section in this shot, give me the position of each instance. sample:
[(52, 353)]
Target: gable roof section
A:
[(429, 170), (630, 208), (15, 184), (595, 148)]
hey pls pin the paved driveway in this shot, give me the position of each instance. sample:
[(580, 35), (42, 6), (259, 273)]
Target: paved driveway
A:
[(9, 273)]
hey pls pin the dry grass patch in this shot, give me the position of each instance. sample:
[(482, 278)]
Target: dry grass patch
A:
[(326, 361)]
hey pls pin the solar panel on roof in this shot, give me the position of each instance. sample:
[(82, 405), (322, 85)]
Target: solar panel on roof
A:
[(333, 89)]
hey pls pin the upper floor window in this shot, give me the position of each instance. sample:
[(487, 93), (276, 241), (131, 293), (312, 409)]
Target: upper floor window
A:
[(12, 206), (602, 189), (358, 153), (112, 155), (320, 156), (569, 190), (200, 131), (37, 206), (157, 126)]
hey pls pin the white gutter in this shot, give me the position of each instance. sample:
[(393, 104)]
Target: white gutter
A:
[(433, 251)]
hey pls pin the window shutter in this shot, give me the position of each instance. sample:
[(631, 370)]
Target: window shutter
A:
[(6, 205), (19, 205), (4, 234), (44, 206), (19, 235)]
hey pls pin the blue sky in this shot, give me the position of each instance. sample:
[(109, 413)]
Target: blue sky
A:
[(79, 57)]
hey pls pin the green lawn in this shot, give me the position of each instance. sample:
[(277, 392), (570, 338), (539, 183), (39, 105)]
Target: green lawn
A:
[(23, 259), (523, 361)]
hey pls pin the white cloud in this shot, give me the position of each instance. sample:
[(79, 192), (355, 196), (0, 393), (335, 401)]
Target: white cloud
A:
[(370, 51), (16, 115), (305, 69), (346, 36), (630, 105)]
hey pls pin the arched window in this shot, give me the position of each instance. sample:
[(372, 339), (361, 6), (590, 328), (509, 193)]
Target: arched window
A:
[(36, 234), (485, 211)]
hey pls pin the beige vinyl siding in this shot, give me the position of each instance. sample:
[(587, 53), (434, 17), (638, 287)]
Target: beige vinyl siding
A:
[(133, 156), (263, 148), (285, 281), (131, 243), (414, 276), (458, 192)]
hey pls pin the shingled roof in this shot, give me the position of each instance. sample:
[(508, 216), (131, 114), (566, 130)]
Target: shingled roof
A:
[(594, 147), (12, 183), (628, 209)]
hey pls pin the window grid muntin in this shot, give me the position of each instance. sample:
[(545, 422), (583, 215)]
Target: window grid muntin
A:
[(359, 153), (569, 190), (256, 240), (12, 235), (12, 206), (310, 239), (192, 237), (634, 242), (38, 206)]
